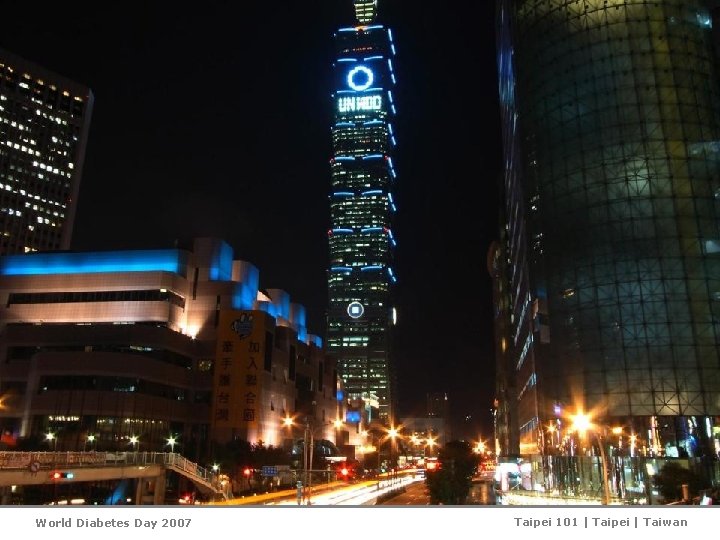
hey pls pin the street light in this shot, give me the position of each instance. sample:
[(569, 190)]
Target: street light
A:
[(89, 439), (171, 443), (582, 424), (135, 440), (338, 424), (51, 437)]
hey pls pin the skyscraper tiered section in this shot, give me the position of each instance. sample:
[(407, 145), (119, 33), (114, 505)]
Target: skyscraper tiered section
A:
[(361, 313)]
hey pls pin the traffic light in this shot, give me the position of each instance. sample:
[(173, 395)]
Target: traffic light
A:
[(59, 475), (247, 471)]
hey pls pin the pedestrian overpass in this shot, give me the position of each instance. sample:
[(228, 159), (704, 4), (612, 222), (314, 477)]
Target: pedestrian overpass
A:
[(36, 468)]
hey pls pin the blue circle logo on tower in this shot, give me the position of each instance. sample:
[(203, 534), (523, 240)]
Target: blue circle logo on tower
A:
[(360, 78), (355, 310)]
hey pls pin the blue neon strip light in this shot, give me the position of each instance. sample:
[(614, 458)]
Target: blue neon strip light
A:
[(392, 172), (345, 124), (353, 29), (390, 96), (390, 196), (392, 76), (390, 128), (373, 123), (347, 59), (390, 34), (392, 48), (392, 107), (394, 208), (392, 275), (372, 229), (342, 230), (392, 138), (373, 89), (373, 156), (341, 269), (374, 27), (344, 158), (378, 57), (163, 260), (390, 66), (371, 267), (373, 192), (343, 194)]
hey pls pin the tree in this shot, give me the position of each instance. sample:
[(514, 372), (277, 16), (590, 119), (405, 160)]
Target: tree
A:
[(451, 483), (670, 479)]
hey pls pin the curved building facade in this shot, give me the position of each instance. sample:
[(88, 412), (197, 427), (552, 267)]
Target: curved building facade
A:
[(612, 123), (361, 242)]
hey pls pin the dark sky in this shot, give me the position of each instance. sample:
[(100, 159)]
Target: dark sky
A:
[(213, 119)]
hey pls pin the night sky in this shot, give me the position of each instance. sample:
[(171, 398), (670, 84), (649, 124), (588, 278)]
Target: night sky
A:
[(214, 120)]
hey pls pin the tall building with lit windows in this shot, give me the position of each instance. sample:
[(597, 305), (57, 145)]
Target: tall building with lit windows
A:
[(360, 278), (44, 122), (608, 275)]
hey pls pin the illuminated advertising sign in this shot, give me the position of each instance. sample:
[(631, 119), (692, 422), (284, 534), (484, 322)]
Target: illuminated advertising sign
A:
[(360, 78), (349, 104)]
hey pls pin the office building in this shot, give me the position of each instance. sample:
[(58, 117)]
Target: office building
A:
[(44, 122), (608, 277), (361, 313)]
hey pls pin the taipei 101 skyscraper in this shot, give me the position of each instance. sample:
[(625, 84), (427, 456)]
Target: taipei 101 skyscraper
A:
[(361, 313)]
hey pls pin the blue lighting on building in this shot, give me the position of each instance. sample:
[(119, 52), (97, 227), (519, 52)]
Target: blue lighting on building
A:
[(360, 78), (316, 340), (344, 158), (343, 194), (245, 291), (165, 260), (344, 124), (342, 230), (365, 255), (347, 59), (221, 263), (352, 417)]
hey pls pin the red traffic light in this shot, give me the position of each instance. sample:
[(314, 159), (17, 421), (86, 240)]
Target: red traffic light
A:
[(247, 471), (57, 475)]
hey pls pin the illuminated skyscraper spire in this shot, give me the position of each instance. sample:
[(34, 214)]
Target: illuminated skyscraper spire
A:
[(365, 10)]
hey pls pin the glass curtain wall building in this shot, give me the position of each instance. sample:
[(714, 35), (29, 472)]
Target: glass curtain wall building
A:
[(361, 242), (612, 186)]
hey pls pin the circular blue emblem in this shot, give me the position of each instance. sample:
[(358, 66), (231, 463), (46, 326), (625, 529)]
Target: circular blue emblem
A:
[(360, 78), (355, 310)]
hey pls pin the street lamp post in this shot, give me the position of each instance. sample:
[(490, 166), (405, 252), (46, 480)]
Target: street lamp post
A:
[(90, 439), (582, 423), (135, 441)]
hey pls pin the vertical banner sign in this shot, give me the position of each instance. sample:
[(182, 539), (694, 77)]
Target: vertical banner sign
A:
[(238, 365)]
